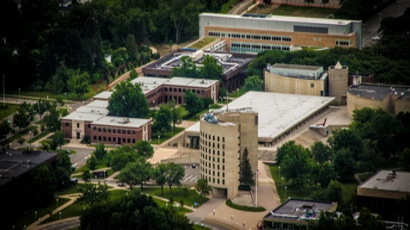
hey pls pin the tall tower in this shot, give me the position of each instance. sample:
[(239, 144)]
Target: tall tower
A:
[(224, 135), (338, 79)]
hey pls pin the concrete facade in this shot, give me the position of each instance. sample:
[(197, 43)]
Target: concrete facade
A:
[(297, 81), (222, 142), (255, 33), (391, 98), (338, 82)]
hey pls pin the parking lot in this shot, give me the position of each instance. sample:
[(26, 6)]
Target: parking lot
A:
[(191, 175)]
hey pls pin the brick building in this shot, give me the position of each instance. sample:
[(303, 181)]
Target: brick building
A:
[(234, 65), (251, 33)]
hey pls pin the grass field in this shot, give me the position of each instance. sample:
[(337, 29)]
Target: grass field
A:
[(237, 93), (227, 6), (30, 215), (69, 96), (348, 188), (164, 137), (70, 190), (298, 11), (177, 194), (39, 136), (18, 135), (198, 115), (164, 204), (203, 42), (7, 110)]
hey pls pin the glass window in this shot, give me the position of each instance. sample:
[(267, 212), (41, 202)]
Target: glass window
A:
[(67, 124)]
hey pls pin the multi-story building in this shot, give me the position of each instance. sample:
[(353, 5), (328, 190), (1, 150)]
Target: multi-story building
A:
[(391, 98), (296, 214), (255, 33), (93, 121), (296, 79), (224, 136), (234, 65), (338, 82), (159, 90)]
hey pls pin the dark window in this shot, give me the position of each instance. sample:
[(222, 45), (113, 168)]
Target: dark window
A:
[(114, 130), (109, 139), (114, 139), (203, 91), (104, 130), (133, 132), (128, 131), (133, 141), (123, 131), (311, 29), (104, 138), (109, 130), (99, 129), (166, 89), (99, 138), (128, 140), (89, 126), (67, 124), (94, 138), (312, 85), (123, 140), (78, 125), (94, 129)]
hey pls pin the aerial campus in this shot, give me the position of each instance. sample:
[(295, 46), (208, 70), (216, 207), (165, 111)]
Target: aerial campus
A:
[(205, 114)]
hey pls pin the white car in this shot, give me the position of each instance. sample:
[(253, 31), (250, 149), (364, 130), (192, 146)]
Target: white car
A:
[(375, 38)]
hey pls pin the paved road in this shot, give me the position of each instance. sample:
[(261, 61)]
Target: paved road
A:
[(64, 225), (372, 25), (81, 154)]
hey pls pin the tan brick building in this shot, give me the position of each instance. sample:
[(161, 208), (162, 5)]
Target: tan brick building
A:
[(255, 33), (223, 139), (296, 79), (338, 82)]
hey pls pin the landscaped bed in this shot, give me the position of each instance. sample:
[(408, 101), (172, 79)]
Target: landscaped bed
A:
[(189, 196)]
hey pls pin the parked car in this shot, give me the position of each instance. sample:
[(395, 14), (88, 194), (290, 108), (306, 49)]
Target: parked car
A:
[(120, 184), (193, 166), (375, 38)]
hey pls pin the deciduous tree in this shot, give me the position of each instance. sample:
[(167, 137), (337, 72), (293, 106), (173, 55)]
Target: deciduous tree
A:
[(321, 153), (93, 194), (193, 103), (100, 151), (162, 120), (78, 83), (160, 173), (253, 83), (297, 166), (211, 69), (5, 128), (174, 174), (58, 138), (128, 100), (202, 187), (344, 164), (144, 149)]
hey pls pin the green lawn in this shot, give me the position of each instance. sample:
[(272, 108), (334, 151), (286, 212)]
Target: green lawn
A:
[(38, 137), (164, 204), (198, 115), (349, 187), (199, 227), (226, 7), (70, 190), (30, 217), (237, 93), (7, 110), (177, 195), (69, 96), (18, 135), (165, 136), (203, 42), (298, 11)]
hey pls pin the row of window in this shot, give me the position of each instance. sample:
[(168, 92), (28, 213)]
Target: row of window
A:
[(343, 42), (203, 169), (213, 179), (204, 156), (256, 47), (209, 172), (176, 90), (211, 137), (206, 150), (208, 144), (114, 139), (109, 130), (251, 36)]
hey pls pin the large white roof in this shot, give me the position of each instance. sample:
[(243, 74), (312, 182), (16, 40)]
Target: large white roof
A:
[(121, 121), (277, 112)]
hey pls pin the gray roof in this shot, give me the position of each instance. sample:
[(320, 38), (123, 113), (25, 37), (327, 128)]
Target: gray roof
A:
[(294, 66), (98, 103), (299, 209), (277, 112), (83, 116), (384, 181), (378, 92), (121, 121), (14, 165), (103, 95)]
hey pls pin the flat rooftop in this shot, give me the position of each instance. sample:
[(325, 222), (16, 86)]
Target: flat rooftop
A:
[(98, 104), (83, 116), (121, 121), (293, 66), (386, 181), (277, 112), (319, 21), (149, 84), (13, 163), (298, 209), (103, 96), (229, 61), (378, 92)]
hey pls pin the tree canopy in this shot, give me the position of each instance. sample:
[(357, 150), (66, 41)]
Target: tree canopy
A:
[(128, 100), (246, 174), (254, 83)]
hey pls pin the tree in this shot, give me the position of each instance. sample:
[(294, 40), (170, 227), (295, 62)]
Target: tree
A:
[(21, 141), (93, 194), (288, 148), (193, 103), (405, 159), (42, 186), (202, 187), (86, 176), (119, 157), (62, 178), (326, 174), (92, 163), (128, 100), (187, 69), (253, 83), (133, 74), (160, 173), (162, 120), (144, 149), (174, 174), (370, 158), (64, 161), (176, 113), (41, 107), (136, 173), (52, 119), (368, 221), (321, 153), (297, 166), (344, 164), (58, 138), (346, 139), (246, 170), (211, 69), (132, 48), (100, 151), (78, 83), (21, 120), (5, 128)]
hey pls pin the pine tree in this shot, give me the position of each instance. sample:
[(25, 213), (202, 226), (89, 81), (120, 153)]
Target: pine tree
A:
[(246, 170)]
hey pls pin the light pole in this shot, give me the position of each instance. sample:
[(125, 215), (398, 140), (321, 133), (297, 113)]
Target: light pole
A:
[(279, 171), (65, 96), (285, 190), (60, 215), (237, 92), (158, 138), (104, 174), (19, 93), (35, 212), (4, 92), (57, 202)]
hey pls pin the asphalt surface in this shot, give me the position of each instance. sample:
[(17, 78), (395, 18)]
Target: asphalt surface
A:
[(63, 226), (81, 154), (372, 25)]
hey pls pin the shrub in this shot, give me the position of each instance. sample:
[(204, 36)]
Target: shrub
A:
[(244, 208)]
